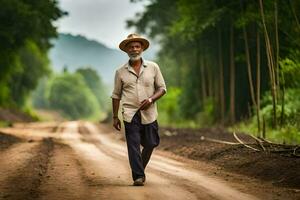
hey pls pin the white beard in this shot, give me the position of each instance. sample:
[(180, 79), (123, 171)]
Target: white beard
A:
[(135, 57)]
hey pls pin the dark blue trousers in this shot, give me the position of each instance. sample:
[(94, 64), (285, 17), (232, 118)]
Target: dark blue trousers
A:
[(140, 134)]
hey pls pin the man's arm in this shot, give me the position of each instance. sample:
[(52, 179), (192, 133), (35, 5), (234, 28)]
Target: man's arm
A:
[(116, 96), (115, 108), (159, 93), (147, 102), (160, 86)]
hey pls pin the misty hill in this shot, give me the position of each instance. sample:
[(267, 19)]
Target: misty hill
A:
[(77, 51)]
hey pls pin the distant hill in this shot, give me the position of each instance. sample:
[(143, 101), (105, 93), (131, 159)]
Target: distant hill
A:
[(77, 51)]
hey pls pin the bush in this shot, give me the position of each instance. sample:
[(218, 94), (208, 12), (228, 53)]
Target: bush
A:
[(291, 113), (168, 106), (70, 94)]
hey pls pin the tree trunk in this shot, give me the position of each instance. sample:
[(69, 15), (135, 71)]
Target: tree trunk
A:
[(294, 14), (210, 81), (276, 42), (270, 64), (232, 77), (203, 81), (249, 67), (282, 121), (221, 77), (258, 81)]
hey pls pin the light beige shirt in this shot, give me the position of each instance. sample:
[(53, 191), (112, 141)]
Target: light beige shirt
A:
[(132, 89)]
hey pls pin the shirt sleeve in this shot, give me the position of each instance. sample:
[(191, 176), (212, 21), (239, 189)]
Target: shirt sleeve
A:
[(117, 92), (159, 80)]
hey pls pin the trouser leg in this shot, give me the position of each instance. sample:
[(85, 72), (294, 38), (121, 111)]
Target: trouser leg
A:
[(146, 154), (149, 140), (132, 131)]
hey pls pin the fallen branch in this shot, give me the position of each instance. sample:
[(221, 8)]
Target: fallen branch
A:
[(276, 144), (241, 142), (259, 142), (219, 141)]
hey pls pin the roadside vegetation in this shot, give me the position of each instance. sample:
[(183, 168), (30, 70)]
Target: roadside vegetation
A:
[(25, 66), (25, 41), (78, 95), (230, 63), (233, 63)]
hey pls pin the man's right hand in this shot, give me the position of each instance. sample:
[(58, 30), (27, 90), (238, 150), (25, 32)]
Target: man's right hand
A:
[(117, 124)]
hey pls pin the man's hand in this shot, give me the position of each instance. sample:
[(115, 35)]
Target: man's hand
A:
[(145, 104), (117, 124)]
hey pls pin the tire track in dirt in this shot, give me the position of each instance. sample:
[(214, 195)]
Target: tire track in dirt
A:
[(103, 170), (7, 140), (64, 176), (79, 162), (160, 173), (29, 165), (13, 159), (175, 172)]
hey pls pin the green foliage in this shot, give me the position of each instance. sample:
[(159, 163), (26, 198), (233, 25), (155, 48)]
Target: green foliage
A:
[(290, 73), (291, 113), (33, 64), (4, 94), (94, 82), (196, 17), (74, 94), (70, 94), (4, 124), (24, 41), (287, 134), (204, 44), (206, 117), (169, 106), (28, 19), (40, 94)]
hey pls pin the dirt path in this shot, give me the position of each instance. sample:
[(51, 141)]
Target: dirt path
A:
[(77, 160)]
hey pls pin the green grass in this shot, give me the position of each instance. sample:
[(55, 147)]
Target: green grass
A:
[(4, 124), (284, 135)]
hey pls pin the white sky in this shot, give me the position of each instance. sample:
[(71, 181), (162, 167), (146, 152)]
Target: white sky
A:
[(100, 20)]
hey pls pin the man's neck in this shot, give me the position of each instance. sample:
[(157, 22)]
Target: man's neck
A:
[(135, 63)]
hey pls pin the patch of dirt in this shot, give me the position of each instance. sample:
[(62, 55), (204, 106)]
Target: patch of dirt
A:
[(280, 169), (8, 140), (12, 115), (77, 161), (27, 179)]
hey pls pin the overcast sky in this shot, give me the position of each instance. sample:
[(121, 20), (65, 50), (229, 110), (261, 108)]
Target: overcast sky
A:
[(101, 20)]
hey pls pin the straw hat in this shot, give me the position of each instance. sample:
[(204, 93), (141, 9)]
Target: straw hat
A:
[(134, 38)]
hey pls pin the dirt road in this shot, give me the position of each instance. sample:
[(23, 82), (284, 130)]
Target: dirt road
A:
[(77, 160)]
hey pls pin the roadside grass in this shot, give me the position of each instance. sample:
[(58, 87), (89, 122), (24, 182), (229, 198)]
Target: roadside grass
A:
[(282, 135), (4, 124)]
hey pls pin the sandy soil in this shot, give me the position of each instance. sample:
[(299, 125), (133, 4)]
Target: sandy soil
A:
[(80, 160), (275, 164)]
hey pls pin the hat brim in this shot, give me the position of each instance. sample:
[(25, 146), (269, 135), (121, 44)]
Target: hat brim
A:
[(145, 43)]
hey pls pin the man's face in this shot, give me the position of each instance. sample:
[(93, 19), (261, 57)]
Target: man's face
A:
[(134, 50)]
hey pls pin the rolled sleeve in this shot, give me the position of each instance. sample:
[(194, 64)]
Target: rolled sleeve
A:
[(159, 80), (117, 91)]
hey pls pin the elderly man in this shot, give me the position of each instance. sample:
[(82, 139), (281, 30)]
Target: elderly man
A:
[(138, 84)]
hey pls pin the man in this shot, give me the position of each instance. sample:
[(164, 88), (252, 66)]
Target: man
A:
[(139, 84)]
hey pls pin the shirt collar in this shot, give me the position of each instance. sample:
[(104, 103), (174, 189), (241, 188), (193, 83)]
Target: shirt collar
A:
[(128, 66), (130, 69)]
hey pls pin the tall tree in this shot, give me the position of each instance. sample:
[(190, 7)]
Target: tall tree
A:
[(25, 21)]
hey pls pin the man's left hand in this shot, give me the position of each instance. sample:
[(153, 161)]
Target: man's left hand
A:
[(145, 104)]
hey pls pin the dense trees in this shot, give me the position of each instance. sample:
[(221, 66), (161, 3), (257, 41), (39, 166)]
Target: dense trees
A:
[(26, 27), (228, 54), (94, 82), (70, 94), (76, 95)]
